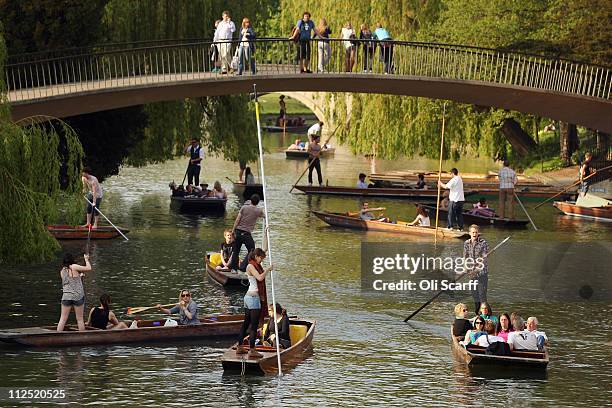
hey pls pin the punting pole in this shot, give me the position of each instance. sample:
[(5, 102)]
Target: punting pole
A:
[(266, 223), (109, 221), (440, 174), (525, 210)]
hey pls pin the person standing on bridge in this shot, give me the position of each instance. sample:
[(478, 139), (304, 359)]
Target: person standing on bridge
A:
[(224, 33), (323, 47), (196, 154), (247, 47), (303, 33), (507, 181), (368, 47), (456, 199), (350, 48), (386, 47)]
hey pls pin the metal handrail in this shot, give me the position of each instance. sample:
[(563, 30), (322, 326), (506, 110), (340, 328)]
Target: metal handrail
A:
[(190, 60)]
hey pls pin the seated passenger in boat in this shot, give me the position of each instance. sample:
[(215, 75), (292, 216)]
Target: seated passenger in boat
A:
[(366, 213), (487, 313), (422, 217), (491, 337), (249, 178), (472, 335), (190, 190), (102, 317), (282, 321), (420, 184), (482, 209), (186, 308), (362, 183), (297, 145), (522, 339), (177, 191), (532, 326), (218, 191), (227, 250), (445, 201), (461, 325), (504, 327)]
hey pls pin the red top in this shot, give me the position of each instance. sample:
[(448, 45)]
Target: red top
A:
[(261, 288)]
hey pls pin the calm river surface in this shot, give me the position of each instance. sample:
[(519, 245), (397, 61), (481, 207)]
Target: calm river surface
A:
[(363, 352)]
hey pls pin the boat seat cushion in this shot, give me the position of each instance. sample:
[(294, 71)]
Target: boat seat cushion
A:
[(215, 259), (297, 332)]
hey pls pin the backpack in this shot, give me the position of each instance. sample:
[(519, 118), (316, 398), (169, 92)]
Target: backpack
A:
[(498, 348)]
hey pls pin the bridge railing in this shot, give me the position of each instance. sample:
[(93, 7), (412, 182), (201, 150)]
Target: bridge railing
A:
[(163, 62)]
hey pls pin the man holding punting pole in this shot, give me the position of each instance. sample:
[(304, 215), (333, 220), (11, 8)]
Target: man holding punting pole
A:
[(242, 229), (94, 196), (507, 181), (456, 199), (474, 248), (196, 155)]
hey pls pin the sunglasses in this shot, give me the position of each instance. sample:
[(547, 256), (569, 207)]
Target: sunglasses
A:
[(478, 323), (465, 310), (185, 294)]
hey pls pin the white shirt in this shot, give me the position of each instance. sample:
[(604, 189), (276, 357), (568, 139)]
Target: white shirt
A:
[(315, 129), (423, 221), (523, 340), (540, 334), (225, 30), (201, 154), (482, 340), (507, 177), (346, 34), (455, 185), (362, 184)]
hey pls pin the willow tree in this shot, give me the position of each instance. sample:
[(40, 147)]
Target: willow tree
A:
[(39, 181)]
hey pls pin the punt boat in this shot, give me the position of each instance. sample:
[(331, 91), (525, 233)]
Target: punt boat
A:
[(247, 190), (286, 129), (343, 220), (475, 356), (212, 327), (480, 219), (404, 193), (303, 154), (79, 232), (201, 205), (603, 213), (222, 276), (301, 332)]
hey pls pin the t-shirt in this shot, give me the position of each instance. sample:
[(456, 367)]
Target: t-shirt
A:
[(315, 129), (423, 221), (250, 179), (484, 341), (362, 184), (227, 250), (193, 309), (249, 214), (366, 215), (325, 34), (346, 34), (455, 185), (507, 177), (306, 28), (491, 318), (93, 183), (225, 30), (381, 34), (523, 340)]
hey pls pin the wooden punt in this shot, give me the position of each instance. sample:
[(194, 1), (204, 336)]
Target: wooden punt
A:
[(79, 232), (403, 193), (480, 219), (247, 190), (214, 327), (343, 220), (591, 213), (301, 333), (303, 154), (288, 129), (201, 205), (225, 277), (474, 356)]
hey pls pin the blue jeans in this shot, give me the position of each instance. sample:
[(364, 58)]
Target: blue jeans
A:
[(455, 214), (252, 302), (245, 55)]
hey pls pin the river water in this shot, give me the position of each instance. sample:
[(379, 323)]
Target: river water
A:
[(363, 352)]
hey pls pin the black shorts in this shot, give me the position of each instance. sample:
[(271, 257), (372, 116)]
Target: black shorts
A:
[(304, 50)]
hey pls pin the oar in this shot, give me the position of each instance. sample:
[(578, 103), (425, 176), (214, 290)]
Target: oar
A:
[(88, 237), (109, 221), (233, 182), (315, 156), (140, 309), (526, 213), (457, 279), (440, 175), (568, 187)]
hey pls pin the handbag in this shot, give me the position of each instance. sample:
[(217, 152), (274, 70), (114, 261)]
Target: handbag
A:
[(498, 348), (235, 59)]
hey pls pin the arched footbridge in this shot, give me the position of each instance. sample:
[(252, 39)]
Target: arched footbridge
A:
[(101, 78)]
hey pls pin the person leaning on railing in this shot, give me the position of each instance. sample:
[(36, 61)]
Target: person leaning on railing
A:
[(386, 47), (323, 32), (247, 46), (225, 32), (302, 32)]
